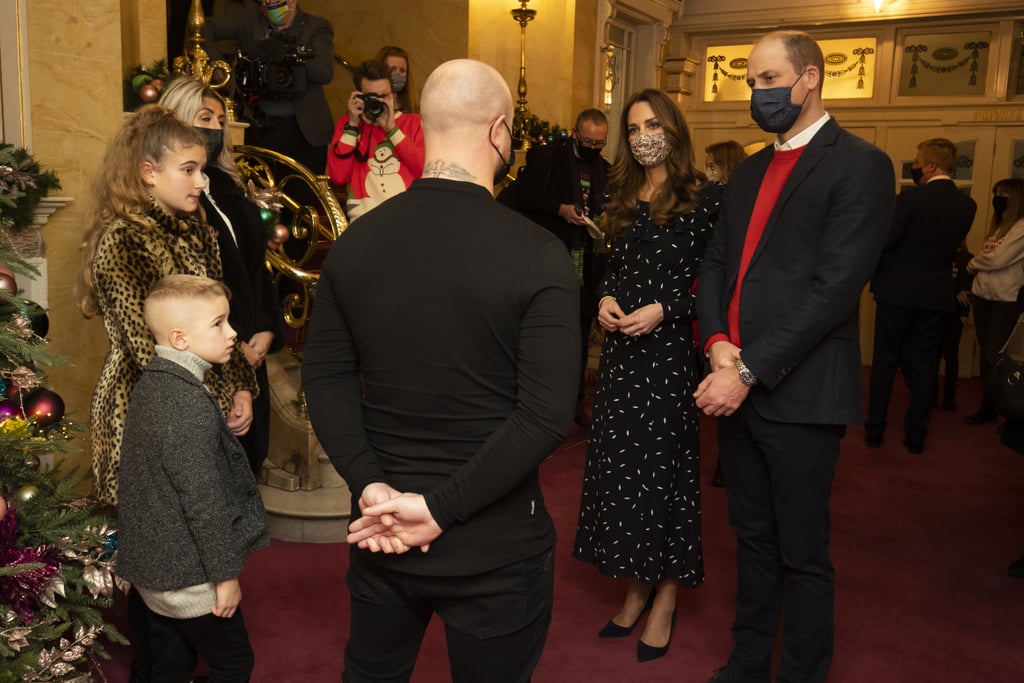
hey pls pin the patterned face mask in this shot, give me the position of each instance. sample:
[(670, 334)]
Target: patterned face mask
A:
[(276, 12), (649, 149)]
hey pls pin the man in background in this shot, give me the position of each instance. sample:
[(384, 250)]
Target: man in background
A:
[(288, 58), (563, 188), (377, 151), (914, 292), (440, 370)]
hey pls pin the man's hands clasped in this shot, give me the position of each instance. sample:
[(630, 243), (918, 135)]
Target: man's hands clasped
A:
[(393, 522)]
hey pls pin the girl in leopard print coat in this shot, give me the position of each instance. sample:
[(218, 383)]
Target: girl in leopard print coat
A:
[(145, 223)]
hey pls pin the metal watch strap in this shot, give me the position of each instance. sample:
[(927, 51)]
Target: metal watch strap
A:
[(746, 376)]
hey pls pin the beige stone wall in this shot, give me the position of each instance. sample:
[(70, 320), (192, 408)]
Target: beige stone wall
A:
[(75, 74)]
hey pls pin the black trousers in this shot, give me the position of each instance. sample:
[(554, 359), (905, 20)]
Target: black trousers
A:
[(779, 482), (993, 322), (952, 331), (256, 441), (175, 645), (496, 622), (908, 339)]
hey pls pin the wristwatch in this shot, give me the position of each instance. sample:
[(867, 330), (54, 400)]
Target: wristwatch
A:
[(746, 376)]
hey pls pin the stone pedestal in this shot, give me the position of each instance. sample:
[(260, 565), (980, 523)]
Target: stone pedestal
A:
[(305, 498)]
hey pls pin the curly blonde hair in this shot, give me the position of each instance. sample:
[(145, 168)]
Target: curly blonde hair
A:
[(118, 191)]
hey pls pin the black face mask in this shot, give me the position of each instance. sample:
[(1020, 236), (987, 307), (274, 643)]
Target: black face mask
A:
[(999, 203), (916, 174), (587, 154), (506, 166), (214, 143), (773, 110)]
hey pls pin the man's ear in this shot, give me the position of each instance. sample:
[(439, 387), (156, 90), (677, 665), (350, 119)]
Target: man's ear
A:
[(178, 339), (813, 78), (496, 130)]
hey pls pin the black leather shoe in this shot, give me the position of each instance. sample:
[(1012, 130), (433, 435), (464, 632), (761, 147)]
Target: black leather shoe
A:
[(913, 447), (613, 630), (873, 441), (949, 405), (1016, 570), (645, 652), (981, 417)]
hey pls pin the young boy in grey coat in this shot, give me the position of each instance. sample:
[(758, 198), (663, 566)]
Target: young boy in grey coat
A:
[(189, 511)]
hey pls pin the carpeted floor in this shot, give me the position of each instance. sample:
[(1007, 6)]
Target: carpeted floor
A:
[(920, 544)]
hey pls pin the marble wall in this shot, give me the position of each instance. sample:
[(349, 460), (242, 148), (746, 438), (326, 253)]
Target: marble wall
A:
[(75, 72)]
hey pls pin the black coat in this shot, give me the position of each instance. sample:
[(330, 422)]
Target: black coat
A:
[(928, 225), (799, 309)]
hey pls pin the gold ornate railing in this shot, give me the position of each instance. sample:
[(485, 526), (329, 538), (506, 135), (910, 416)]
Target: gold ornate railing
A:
[(312, 215)]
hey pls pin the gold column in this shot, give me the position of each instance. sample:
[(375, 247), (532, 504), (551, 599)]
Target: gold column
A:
[(196, 62), (522, 118)]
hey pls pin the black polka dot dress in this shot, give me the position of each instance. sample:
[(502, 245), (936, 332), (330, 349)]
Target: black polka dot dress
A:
[(640, 511)]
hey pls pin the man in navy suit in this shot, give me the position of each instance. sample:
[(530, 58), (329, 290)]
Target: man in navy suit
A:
[(913, 289), (801, 227)]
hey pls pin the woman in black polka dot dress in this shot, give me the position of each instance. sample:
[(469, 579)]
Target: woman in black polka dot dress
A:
[(640, 513)]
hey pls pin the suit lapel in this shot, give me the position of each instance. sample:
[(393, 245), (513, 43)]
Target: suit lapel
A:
[(819, 146)]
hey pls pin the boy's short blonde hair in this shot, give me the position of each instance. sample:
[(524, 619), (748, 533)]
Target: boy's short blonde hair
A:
[(179, 288)]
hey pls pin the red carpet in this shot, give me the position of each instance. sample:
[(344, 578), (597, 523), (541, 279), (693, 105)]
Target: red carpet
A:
[(920, 545)]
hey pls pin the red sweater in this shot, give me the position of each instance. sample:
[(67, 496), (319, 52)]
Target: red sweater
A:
[(775, 177)]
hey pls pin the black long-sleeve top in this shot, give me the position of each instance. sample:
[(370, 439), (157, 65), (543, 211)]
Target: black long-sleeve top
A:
[(442, 358)]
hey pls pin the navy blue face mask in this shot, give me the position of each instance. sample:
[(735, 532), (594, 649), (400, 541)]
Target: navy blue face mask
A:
[(772, 108)]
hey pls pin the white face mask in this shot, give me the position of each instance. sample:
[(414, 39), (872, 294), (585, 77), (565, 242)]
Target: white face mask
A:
[(649, 149)]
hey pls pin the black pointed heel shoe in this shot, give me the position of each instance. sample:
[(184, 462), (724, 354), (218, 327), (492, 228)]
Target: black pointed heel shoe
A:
[(613, 630), (645, 652)]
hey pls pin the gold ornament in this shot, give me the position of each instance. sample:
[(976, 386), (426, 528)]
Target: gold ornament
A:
[(31, 462), (26, 493)]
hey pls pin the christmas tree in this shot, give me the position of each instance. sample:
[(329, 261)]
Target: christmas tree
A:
[(57, 547)]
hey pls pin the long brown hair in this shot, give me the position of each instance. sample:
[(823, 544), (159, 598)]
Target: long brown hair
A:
[(627, 176), (407, 101), (1014, 188), (118, 191)]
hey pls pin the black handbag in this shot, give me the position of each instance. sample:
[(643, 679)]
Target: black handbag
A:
[(1004, 383)]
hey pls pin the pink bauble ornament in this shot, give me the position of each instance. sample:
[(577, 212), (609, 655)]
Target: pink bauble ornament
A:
[(8, 281), (148, 93), (158, 84), (9, 408), (279, 234), (46, 406)]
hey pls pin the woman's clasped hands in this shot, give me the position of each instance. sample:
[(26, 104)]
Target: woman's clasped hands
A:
[(640, 322)]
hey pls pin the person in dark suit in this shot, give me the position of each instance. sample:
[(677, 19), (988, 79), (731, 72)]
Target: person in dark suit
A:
[(298, 125), (563, 185), (801, 228), (914, 292)]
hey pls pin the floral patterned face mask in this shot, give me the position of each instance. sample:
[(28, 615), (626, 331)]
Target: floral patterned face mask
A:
[(649, 149)]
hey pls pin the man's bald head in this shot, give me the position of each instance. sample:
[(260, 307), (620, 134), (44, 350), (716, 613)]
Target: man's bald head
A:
[(463, 94)]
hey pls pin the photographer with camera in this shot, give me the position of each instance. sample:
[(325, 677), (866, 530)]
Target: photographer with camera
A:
[(377, 152), (285, 57)]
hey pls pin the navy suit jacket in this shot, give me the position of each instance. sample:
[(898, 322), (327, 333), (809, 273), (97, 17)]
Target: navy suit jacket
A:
[(917, 263), (798, 313)]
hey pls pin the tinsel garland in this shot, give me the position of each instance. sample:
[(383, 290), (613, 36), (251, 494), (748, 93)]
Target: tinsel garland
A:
[(34, 567)]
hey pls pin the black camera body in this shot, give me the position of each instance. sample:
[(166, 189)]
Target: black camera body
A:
[(373, 106), (275, 70)]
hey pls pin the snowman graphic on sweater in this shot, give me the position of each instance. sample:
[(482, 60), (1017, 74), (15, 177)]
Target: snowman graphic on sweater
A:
[(383, 181)]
